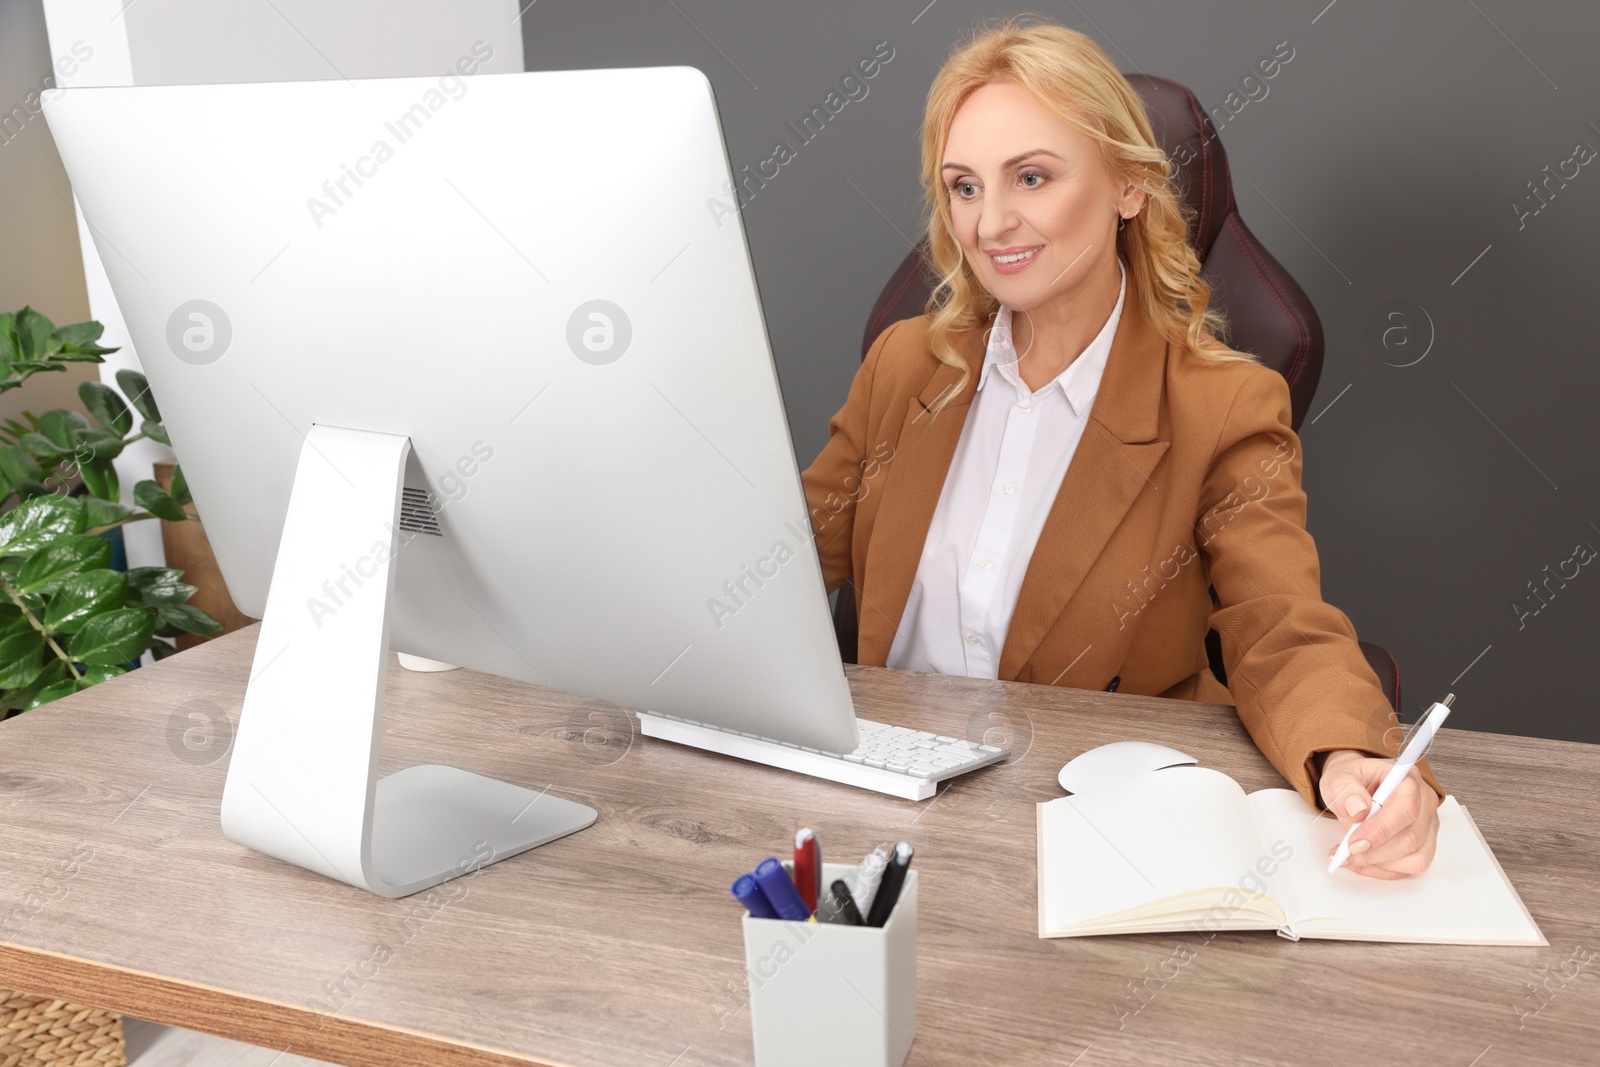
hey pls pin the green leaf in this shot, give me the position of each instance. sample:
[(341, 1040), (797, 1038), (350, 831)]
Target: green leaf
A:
[(96, 675), (100, 478), (146, 577), (160, 648), (188, 618), (76, 343), (136, 387), (156, 587), (106, 405), (180, 487), (156, 596), (114, 638), (154, 499), (33, 335), (70, 555), (79, 333), (12, 620), (94, 443), (60, 426), (43, 449), (54, 691), (91, 676), (9, 352), (17, 466), (92, 354), (99, 514), (35, 523), (21, 659), (81, 597), (155, 431), (55, 672)]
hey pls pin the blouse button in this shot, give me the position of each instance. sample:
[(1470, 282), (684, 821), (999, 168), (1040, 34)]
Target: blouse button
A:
[(972, 639), (1008, 489)]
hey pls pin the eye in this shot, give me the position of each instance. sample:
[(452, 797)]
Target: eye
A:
[(956, 187), (1032, 174)]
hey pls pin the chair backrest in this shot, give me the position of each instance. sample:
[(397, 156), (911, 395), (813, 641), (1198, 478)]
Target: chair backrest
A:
[(1268, 314)]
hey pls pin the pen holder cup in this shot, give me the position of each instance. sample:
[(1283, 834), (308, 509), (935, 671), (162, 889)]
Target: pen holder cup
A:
[(829, 993)]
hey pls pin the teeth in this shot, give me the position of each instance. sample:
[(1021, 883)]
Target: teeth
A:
[(1016, 257)]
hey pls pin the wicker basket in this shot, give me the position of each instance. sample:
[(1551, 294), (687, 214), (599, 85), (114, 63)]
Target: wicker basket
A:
[(38, 1030)]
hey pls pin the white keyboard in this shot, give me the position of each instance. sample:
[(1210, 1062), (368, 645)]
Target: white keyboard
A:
[(890, 759)]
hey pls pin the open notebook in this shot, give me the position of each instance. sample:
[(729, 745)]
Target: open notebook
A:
[(1185, 848)]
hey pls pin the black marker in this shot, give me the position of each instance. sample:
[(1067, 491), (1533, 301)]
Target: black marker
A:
[(844, 905), (894, 879)]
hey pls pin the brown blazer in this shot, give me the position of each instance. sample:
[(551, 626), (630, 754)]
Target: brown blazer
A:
[(1186, 478)]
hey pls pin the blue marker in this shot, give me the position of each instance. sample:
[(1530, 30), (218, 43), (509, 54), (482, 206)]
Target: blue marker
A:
[(748, 892), (780, 891)]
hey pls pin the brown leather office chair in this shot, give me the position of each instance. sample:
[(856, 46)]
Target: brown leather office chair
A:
[(1268, 314)]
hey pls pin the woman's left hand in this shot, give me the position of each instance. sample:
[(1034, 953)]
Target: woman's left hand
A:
[(1399, 840)]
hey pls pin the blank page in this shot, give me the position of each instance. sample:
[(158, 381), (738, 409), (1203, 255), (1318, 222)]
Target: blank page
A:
[(1135, 843), (1462, 898)]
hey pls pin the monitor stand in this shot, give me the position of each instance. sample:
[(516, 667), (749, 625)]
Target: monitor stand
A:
[(302, 784)]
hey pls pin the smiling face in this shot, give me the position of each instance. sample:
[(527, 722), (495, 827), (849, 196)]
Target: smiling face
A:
[(1034, 208)]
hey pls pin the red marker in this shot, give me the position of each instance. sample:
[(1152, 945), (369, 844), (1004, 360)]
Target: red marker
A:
[(808, 867)]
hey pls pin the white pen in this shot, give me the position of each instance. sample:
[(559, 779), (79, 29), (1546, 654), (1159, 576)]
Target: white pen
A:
[(1420, 740), (868, 875)]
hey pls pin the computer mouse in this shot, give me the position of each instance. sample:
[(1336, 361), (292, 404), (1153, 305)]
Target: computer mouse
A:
[(1116, 761)]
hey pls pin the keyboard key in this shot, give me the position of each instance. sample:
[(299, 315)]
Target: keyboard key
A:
[(890, 759)]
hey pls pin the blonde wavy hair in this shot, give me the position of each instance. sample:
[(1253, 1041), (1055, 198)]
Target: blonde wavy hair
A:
[(1078, 83)]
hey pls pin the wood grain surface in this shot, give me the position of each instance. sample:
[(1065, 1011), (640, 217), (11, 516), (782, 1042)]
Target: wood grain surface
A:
[(621, 945)]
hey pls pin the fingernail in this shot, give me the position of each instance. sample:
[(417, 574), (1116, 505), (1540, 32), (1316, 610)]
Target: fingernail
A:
[(1354, 806), (1359, 847)]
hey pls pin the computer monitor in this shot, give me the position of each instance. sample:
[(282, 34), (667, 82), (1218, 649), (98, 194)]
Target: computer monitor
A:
[(472, 367)]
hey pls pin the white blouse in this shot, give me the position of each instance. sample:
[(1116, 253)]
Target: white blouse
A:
[(1014, 450)]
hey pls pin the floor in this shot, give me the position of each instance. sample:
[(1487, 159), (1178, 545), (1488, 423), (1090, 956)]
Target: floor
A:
[(154, 1045)]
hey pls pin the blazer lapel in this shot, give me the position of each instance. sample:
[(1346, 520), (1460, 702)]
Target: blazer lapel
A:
[(1111, 467), (922, 459)]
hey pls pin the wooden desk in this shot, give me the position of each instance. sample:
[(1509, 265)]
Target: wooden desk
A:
[(621, 945)]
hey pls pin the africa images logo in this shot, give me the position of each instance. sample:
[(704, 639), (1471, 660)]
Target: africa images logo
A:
[(599, 332), (198, 332)]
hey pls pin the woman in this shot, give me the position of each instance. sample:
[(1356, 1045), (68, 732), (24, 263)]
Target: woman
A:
[(1042, 477)]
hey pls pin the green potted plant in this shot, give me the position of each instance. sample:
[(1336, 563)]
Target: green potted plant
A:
[(68, 619)]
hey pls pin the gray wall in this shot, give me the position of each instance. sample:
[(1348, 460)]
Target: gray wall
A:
[(1392, 148), (40, 265), (193, 42)]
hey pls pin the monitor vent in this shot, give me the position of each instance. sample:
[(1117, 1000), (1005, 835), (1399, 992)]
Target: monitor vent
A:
[(417, 513)]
